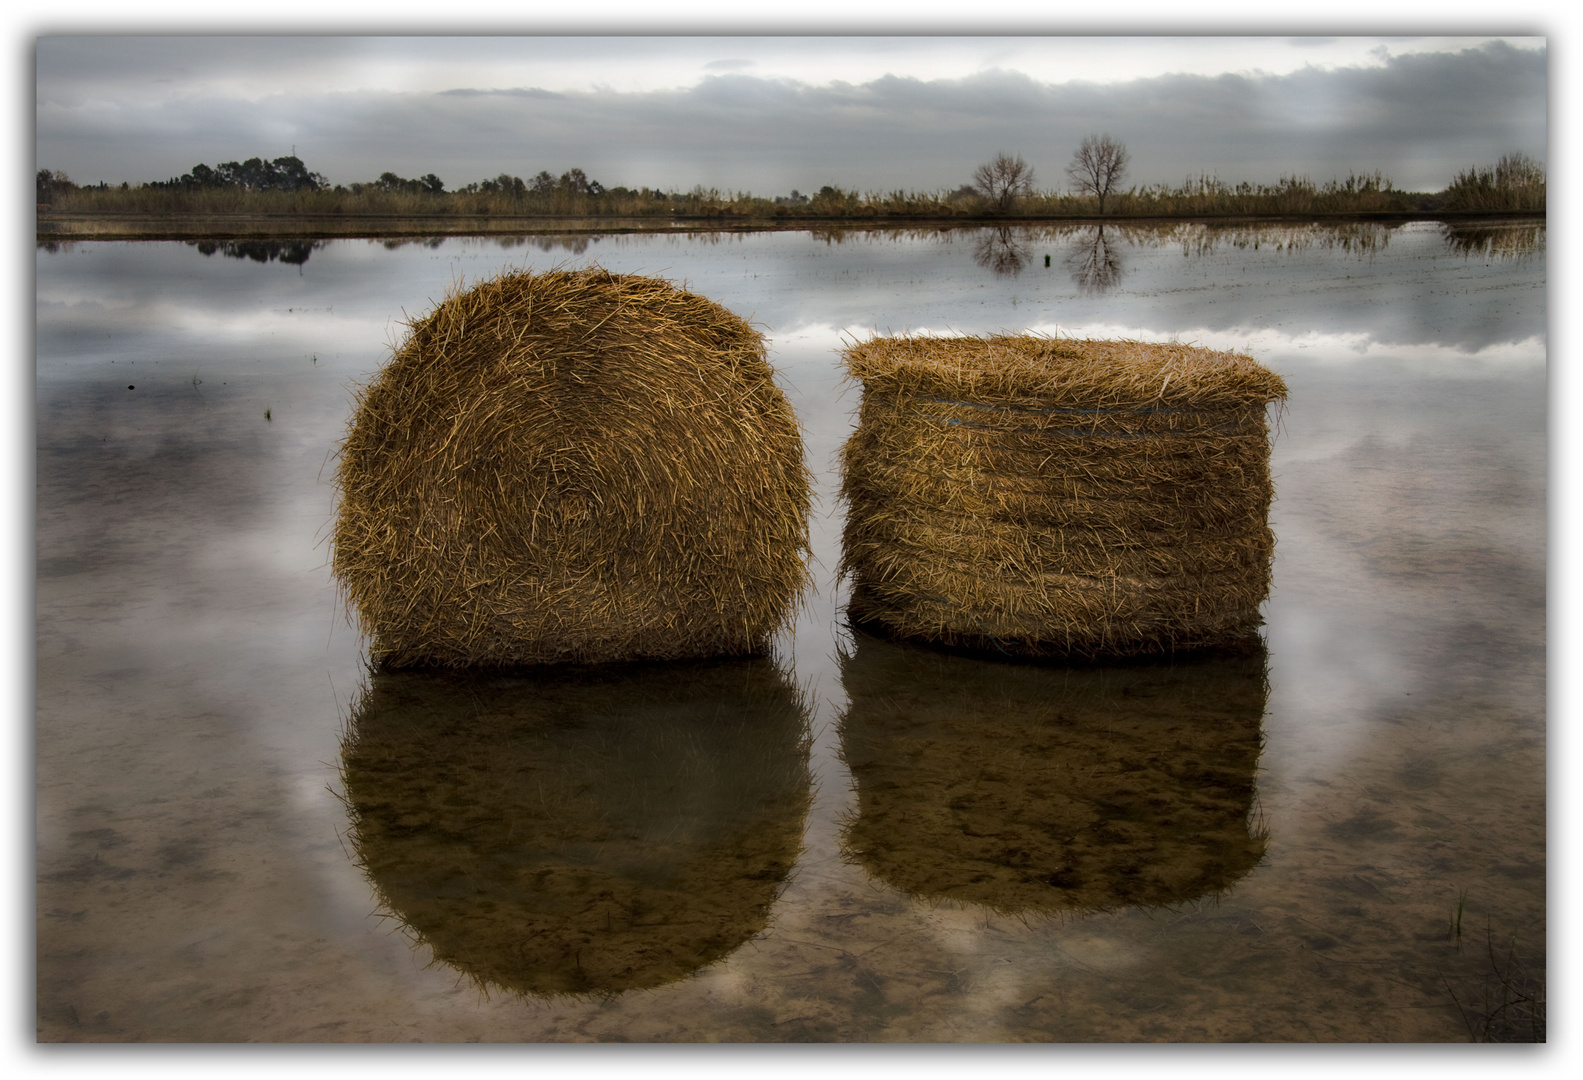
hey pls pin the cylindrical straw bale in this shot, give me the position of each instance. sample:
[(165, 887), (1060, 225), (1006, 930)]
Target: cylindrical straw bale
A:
[(1041, 497), (1029, 788), (572, 466)]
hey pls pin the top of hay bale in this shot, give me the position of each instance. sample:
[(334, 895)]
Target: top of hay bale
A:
[(572, 466), (1066, 371)]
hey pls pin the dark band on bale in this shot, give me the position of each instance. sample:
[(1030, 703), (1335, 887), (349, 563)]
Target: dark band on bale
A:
[(1058, 498), (573, 466)]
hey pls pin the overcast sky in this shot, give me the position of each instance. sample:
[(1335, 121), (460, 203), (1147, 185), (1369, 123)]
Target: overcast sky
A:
[(767, 114)]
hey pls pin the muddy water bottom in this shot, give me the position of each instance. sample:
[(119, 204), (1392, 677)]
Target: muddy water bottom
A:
[(244, 835)]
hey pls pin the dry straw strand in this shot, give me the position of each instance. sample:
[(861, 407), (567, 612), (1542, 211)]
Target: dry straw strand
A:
[(572, 466), (1044, 497)]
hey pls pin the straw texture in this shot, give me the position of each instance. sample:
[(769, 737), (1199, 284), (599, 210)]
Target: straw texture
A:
[(1058, 498), (573, 466)]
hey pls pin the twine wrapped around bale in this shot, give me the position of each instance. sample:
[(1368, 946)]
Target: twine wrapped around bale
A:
[(1038, 789), (572, 466), (579, 830), (1043, 497)]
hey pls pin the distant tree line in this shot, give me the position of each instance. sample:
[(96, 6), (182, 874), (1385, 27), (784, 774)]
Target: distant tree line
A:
[(390, 184), (255, 174), (1099, 165), (571, 182), (1002, 187)]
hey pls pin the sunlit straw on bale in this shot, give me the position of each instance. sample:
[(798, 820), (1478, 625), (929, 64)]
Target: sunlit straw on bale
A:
[(1051, 497), (572, 466)]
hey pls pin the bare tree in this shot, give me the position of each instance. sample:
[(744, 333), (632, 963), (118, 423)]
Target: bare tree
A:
[(1098, 166), (1001, 181)]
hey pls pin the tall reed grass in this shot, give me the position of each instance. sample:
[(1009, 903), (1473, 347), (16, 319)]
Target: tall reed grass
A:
[(1514, 183)]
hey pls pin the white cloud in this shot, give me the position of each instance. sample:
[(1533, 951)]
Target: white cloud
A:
[(1315, 346), (1271, 346), (149, 70)]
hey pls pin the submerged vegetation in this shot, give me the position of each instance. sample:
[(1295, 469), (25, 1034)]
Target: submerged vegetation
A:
[(1002, 189), (1507, 1001)]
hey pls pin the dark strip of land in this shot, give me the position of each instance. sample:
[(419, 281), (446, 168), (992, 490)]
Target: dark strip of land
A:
[(121, 225)]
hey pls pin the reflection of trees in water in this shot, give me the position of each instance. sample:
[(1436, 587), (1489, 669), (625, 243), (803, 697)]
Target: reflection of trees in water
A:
[(579, 831), (575, 245), (712, 237), (872, 234), (1362, 238), (1101, 245), (431, 242), (838, 235), (1095, 262), (1003, 250), (291, 252), (1006, 245), (571, 243), (1496, 239)]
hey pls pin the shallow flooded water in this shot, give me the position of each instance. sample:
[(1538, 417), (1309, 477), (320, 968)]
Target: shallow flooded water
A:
[(242, 835)]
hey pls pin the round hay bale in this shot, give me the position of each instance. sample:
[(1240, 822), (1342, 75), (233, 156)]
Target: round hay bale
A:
[(586, 831), (573, 466), (1033, 789), (1036, 497)]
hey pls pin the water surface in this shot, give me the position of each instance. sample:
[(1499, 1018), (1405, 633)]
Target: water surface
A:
[(857, 840)]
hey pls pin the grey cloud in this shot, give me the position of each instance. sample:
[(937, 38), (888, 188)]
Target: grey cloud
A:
[(1418, 118), (75, 64), (518, 91), (72, 60)]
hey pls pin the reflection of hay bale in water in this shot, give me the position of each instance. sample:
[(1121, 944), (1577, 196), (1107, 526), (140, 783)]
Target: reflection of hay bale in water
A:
[(572, 466), (1042, 497), (1043, 789), (590, 832)]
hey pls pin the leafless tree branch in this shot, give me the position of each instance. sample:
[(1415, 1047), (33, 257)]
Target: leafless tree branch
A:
[(1098, 166), (1003, 180)]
